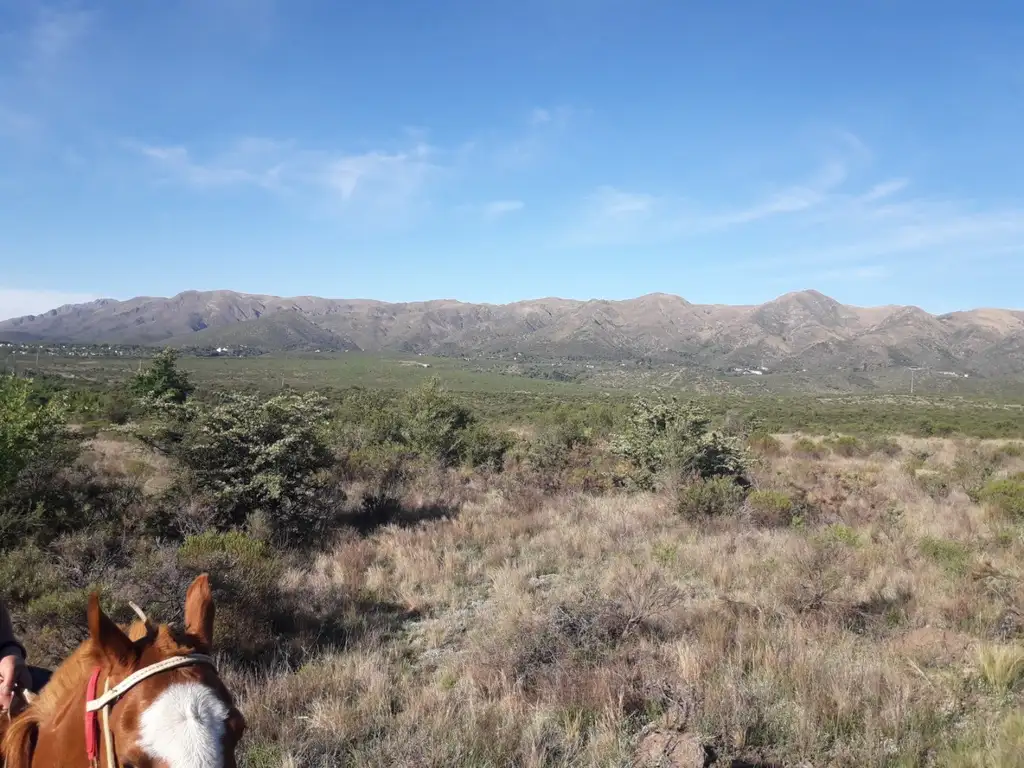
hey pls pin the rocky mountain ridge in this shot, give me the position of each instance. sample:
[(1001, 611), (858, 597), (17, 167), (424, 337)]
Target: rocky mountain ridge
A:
[(804, 330)]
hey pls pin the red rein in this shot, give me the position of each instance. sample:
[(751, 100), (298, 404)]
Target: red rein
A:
[(92, 723)]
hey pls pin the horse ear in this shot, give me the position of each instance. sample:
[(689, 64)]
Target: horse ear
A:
[(200, 610), (106, 635)]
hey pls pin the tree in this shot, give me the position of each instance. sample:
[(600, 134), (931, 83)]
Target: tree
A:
[(162, 381)]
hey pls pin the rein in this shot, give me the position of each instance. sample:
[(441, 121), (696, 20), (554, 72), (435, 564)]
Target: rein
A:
[(104, 703)]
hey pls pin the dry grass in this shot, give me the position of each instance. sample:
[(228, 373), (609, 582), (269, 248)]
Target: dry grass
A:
[(578, 630), (121, 457)]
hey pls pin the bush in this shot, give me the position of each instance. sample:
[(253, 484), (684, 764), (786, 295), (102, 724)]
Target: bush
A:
[(664, 435), (162, 381), (770, 507), (433, 425), (30, 432), (119, 408), (711, 497), (764, 444), (555, 448), (838, 533), (972, 471), (847, 445), (951, 556), (1006, 496), (808, 448), (42, 493), (885, 446), (485, 448), (934, 482), (252, 457)]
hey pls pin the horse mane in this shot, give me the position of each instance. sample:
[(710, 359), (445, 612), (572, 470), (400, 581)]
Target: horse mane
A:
[(19, 740)]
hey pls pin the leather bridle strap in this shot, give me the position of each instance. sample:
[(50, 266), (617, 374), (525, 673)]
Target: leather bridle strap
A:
[(105, 702)]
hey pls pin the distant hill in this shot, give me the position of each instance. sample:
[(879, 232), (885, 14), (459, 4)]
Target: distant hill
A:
[(799, 331), (285, 330)]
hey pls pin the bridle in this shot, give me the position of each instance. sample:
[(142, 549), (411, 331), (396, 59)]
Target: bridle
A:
[(104, 703)]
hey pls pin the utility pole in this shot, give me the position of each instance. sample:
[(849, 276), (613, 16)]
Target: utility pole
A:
[(911, 381)]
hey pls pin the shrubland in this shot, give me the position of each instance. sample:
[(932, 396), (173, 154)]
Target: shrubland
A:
[(403, 580)]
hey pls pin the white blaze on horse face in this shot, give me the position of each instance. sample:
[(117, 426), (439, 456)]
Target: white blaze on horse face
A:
[(184, 727)]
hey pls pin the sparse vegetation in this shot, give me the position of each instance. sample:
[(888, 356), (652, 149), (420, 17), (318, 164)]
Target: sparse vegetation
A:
[(433, 577), (710, 497), (1005, 496)]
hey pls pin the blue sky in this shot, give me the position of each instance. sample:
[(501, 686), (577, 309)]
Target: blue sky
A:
[(494, 151)]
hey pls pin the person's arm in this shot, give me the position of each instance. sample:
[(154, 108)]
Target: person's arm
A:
[(7, 639), (12, 660)]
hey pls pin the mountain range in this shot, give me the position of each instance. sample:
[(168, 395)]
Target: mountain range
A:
[(804, 330)]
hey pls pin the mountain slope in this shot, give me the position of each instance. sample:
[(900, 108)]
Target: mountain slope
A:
[(804, 330), (282, 330)]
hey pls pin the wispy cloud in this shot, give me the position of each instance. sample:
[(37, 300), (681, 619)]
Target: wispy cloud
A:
[(16, 302), (382, 180), (387, 178), (613, 216), (178, 164), (53, 36), (529, 144), (884, 189), (551, 116), (498, 208), (540, 116), (854, 229)]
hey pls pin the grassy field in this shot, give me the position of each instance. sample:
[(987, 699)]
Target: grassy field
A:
[(855, 610), (857, 600), (513, 400)]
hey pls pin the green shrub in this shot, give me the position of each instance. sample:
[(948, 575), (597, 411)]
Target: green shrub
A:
[(555, 448), (162, 381), (935, 482), (666, 434), (770, 507), (847, 445), (712, 454), (248, 457), (485, 448), (30, 432), (885, 446), (234, 544), (433, 425), (710, 497), (929, 428), (1011, 451), (119, 408), (808, 448), (43, 494), (1005, 496), (952, 556), (427, 422), (838, 533), (972, 471)]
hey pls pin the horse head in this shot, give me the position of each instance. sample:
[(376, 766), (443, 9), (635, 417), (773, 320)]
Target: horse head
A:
[(148, 697)]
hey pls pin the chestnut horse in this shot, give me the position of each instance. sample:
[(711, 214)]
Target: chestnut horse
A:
[(148, 697)]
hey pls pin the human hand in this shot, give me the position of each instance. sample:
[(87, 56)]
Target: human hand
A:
[(14, 674)]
